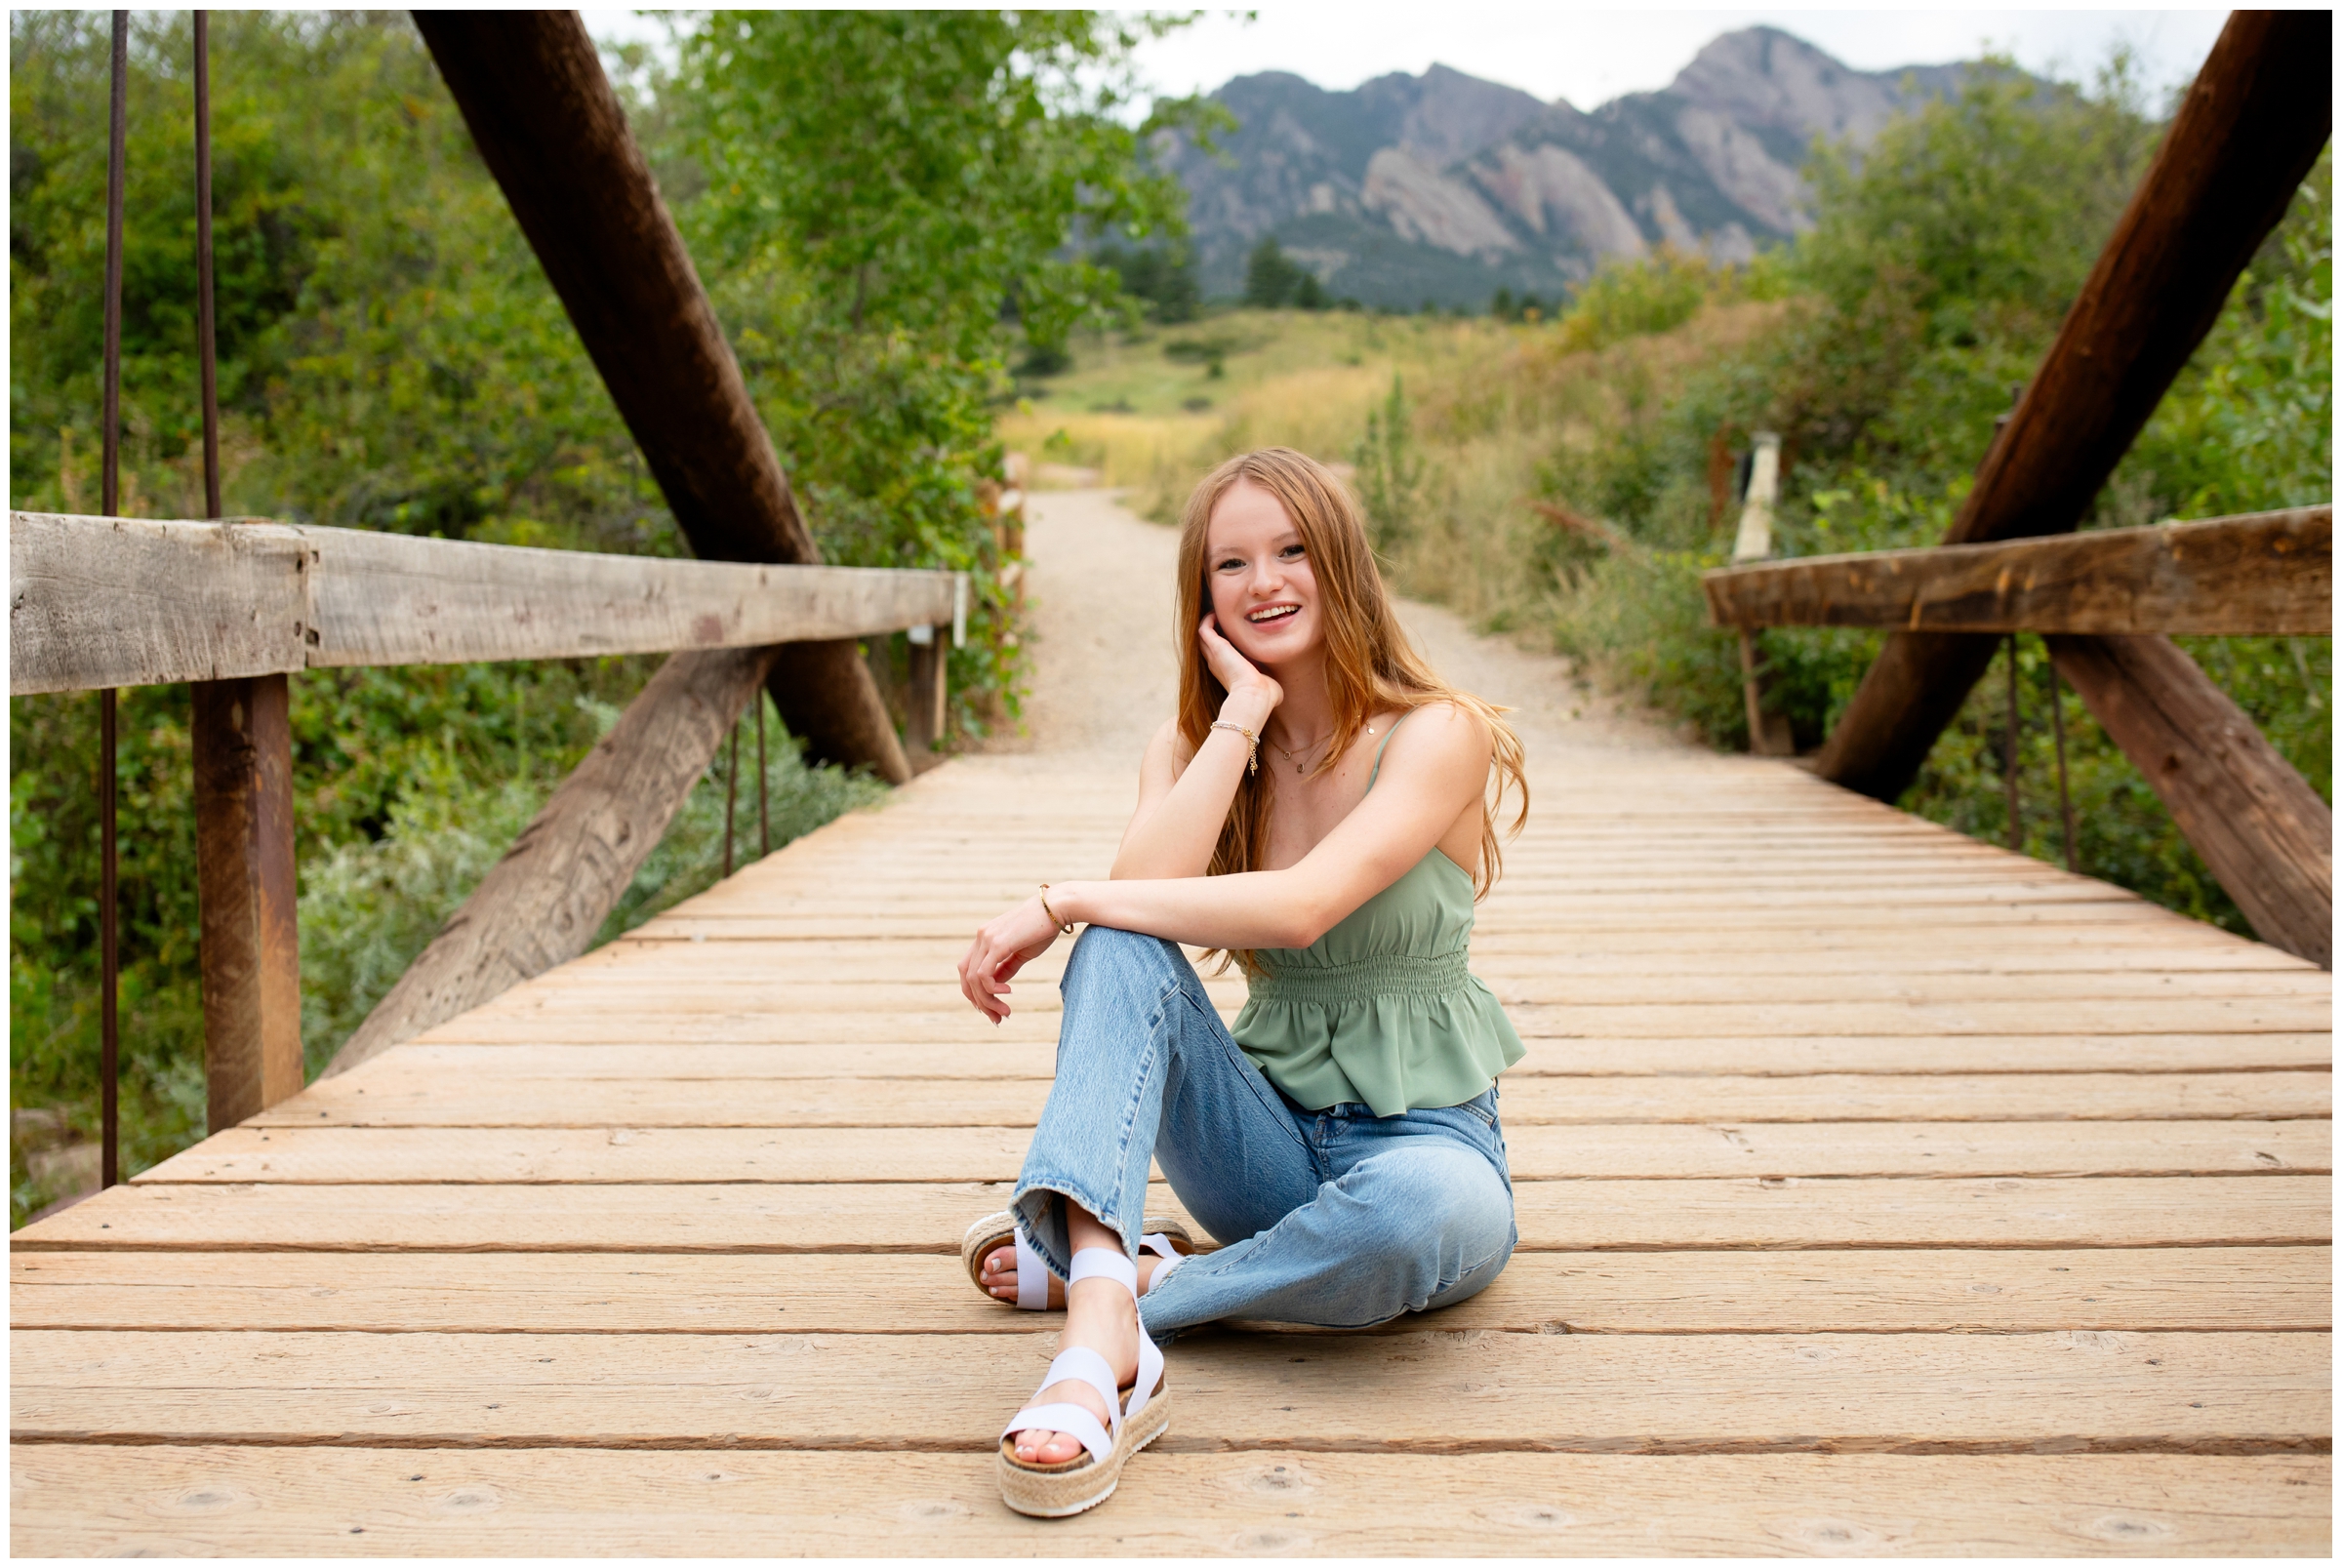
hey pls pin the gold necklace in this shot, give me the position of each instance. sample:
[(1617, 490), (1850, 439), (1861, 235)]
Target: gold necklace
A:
[(1298, 766)]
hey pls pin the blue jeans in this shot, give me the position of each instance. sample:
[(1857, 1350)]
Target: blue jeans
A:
[(1334, 1217)]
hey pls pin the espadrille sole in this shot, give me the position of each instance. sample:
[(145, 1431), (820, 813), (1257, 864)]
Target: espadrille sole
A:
[(993, 1229), (1082, 1483)]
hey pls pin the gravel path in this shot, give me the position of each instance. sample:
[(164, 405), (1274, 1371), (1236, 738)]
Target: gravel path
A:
[(1099, 585)]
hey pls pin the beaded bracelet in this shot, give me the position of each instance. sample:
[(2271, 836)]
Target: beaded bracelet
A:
[(1251, 740)]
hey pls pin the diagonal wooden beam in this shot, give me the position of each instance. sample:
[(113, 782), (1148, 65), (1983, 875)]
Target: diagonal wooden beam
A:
[(547, 123), (2259, 824), (2243, 140), (542, 903)]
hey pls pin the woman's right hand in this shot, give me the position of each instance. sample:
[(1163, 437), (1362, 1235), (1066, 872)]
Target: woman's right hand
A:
[(1252, 695)]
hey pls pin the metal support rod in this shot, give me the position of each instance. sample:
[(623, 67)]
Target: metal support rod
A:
[(110, 1024), (2008, 763), (109, 437), (2065, 798), (764, 814), (109, 951), (731, 793), (205, 322)]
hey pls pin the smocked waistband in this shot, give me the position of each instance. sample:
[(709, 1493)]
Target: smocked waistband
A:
[(1383, 974)]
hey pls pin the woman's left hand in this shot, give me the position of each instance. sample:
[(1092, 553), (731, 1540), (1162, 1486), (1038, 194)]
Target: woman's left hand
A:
[(1004, 945)]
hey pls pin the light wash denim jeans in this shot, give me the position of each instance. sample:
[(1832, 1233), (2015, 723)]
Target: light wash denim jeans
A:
[(1335, 1218)]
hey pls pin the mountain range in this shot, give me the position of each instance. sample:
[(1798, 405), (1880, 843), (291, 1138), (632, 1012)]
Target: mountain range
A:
[(1443, 188)]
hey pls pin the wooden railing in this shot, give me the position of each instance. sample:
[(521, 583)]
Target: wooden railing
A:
[(236, 608), (2107, 603), (2245, 137)]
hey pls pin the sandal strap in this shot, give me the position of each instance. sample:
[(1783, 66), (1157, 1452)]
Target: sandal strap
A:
[(1104, 1262), (1151, 1373), (1033, 1277), (1159, 1244), (1068, 1419), (1082, 1364)]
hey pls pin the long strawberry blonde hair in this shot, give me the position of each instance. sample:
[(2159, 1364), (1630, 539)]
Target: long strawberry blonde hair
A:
[(1370, 666)]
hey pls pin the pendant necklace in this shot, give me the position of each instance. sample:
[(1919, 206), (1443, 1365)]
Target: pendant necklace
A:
[(1300, 766)]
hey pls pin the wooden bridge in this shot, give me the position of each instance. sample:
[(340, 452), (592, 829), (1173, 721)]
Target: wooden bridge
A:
[(1880, 1192)]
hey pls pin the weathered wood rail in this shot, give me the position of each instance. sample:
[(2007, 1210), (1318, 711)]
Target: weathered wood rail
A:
[(235, 608)]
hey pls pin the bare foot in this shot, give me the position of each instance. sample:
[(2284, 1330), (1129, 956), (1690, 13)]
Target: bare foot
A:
[(999, 1269), (1102, 1318)]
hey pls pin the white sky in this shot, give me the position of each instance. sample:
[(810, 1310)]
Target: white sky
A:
[(1589, 55)]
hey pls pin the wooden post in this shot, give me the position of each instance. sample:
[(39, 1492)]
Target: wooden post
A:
[(1768, 733), (530, 89), (929, 659), (2257, 824), (246, 886), (2247, 136)]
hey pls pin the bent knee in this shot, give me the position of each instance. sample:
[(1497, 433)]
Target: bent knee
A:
[(1116, 968), (1434, 1218)]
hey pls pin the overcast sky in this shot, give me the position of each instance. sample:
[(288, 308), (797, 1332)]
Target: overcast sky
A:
[(1590, 56)]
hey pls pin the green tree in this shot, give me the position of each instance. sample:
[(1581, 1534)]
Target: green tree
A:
[(1270, 277)]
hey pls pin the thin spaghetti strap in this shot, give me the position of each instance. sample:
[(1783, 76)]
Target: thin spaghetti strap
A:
[(1378, 751)]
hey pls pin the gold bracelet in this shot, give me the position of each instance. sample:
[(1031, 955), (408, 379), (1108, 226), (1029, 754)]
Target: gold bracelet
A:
[(1065, 928), (1251, 739)]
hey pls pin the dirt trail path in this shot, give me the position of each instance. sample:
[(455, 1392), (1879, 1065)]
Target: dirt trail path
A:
[(1099, 584)]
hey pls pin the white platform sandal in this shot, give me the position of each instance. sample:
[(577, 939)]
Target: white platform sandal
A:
[(1164, 1236), (1140, 1414)]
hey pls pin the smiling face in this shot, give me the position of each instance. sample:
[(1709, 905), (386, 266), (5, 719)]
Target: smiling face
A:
[(1258, 572)]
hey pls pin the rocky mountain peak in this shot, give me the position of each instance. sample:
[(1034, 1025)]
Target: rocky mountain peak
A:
[(1444, 187), (1768, 79)]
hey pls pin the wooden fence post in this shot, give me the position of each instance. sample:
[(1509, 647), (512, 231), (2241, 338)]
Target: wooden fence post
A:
[(1768, 733), (924, 726), (247, 888)]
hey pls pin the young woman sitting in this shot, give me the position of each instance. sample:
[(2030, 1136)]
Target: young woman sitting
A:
[(1320, 809)]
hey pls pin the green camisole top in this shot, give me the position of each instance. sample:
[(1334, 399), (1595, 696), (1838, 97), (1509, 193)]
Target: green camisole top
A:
[(1382, 1009)]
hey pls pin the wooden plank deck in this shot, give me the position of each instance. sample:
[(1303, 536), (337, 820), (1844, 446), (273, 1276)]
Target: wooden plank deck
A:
[(1879, 1192)]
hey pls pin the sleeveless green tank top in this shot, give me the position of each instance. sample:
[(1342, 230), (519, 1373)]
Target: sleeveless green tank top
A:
[(1382, 1009)]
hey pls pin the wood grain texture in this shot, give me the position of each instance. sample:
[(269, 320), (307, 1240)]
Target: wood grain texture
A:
[(1992, 1177), (248, 890), (784, 1218), (1751, 1056), (1977, 1291), (392, 1096), (2264, 831), (178, 1501), (2264, 575), (118, 601), (2061, 1393), (108, 601), (547, 123), (542, 903), (2246, 136), (1535, 1152)]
